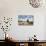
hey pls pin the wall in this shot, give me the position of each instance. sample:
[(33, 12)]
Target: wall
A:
[(13, 8), (45, 28)]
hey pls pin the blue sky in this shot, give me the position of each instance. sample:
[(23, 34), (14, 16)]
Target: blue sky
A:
[(25, 16)]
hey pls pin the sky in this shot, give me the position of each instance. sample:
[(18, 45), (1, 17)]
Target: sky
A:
[(25, 17)]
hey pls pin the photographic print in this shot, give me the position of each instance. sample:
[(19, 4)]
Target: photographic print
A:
[(25, 20)]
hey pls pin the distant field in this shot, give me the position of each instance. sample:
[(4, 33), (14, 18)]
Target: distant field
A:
[(25, 23)]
